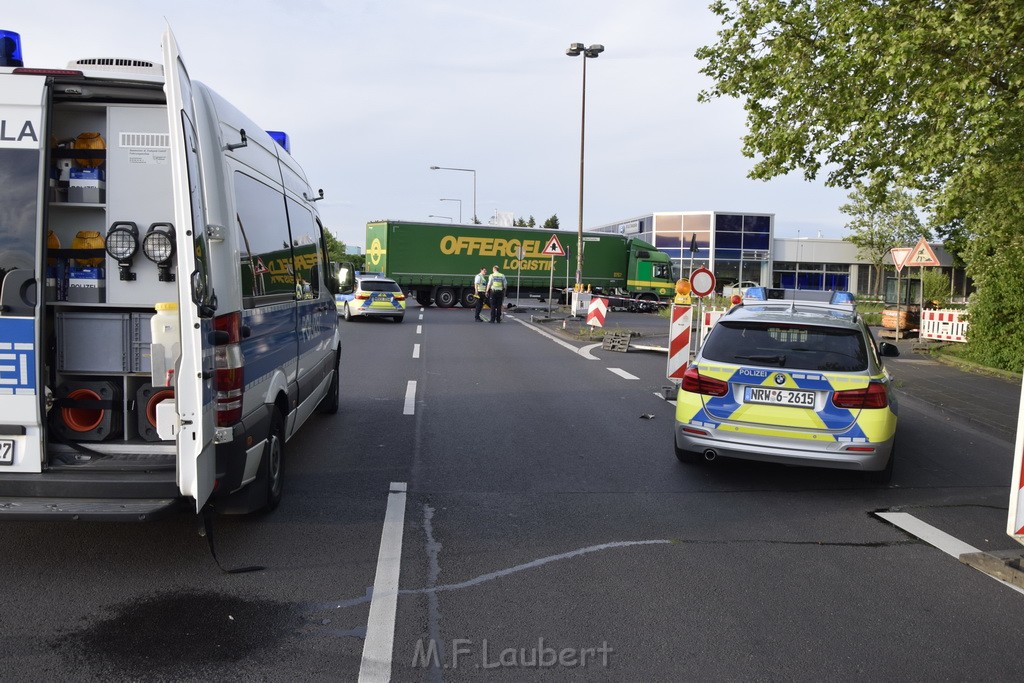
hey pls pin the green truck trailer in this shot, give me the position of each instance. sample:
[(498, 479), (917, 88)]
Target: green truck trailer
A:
[(436, 262)]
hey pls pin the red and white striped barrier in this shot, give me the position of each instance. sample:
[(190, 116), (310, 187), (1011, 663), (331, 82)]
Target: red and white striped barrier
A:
[(1015, 521), (597, 312), (709, 319), (943, 324), (679, 341)]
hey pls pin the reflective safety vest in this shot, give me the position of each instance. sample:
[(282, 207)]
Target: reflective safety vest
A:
[(480, 283), (496, 282)]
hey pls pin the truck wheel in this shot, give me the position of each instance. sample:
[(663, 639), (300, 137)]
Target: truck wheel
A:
[(423, 299), (647, 303), (444, 297), (467, 297)]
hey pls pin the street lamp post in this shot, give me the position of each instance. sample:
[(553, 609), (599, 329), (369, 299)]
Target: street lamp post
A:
[(460, 206), (467, 170), (575, 50), (447, 218)]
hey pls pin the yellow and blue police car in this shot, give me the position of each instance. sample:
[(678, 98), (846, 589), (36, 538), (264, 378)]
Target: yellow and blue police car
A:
[(791, 377), (373, 297)]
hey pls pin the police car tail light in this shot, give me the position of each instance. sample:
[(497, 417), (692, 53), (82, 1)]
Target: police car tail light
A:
[(229, 371), (399, 297), (362, 295), (872, 396), (694, 383)]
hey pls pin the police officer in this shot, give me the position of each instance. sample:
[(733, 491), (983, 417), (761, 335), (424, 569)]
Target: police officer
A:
[(496, 289), (480, 287)]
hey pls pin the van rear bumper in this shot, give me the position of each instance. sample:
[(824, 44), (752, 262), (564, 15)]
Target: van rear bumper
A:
[(98, 496)]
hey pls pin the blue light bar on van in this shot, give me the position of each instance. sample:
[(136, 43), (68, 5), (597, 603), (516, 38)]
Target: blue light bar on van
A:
[(10, 49), (281, 138)]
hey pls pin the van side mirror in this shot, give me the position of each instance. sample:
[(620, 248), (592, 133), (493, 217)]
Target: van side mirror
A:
[(346, 277)]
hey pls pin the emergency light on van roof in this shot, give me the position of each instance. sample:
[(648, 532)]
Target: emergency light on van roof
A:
[(281, 138), (10, 49)]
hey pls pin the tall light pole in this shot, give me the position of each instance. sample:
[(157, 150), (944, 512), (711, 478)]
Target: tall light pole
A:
[(467, 170), (447, 218), (460, 206), (575, 50)]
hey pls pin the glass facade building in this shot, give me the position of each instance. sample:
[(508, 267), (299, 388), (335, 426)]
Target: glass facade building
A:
[(741, 247), (736, 247)]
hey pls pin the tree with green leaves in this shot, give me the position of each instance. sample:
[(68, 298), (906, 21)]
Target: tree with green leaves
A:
[(335, 247), (551, 223), (880, 219), (920, 95)]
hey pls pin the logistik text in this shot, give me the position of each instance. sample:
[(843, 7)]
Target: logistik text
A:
[(533, 258)]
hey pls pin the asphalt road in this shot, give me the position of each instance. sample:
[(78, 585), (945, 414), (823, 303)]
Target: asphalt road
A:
[(547, 531)]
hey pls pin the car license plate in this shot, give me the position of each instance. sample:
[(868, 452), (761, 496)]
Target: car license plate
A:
[(6, 452), (779, 397), (381, 297)]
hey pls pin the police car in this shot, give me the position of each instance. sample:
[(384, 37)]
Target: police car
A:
[(373, 297), (791, 377)]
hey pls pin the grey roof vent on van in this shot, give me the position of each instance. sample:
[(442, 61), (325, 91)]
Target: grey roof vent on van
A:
[(118, 65)]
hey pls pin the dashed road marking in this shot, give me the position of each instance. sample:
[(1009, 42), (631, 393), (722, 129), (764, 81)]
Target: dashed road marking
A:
[(419, 329), (415, 350), (378, 648), (410, 398), (622, 373)]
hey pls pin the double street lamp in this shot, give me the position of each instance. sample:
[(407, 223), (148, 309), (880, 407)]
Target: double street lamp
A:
[(460, 206), (467, 170), (575, 50)]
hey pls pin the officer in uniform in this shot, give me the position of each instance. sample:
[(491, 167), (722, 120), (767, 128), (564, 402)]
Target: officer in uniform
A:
[(480, 287), (496, 289)]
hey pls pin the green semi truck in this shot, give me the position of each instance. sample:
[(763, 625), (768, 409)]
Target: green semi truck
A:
[(436, 262)]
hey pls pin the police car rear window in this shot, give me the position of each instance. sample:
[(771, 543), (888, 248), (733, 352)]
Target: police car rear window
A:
[(794, 347), (379, 286)]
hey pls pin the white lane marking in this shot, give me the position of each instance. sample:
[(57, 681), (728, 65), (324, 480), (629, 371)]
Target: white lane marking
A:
[(662, 397), (410, 398), (378, 648), (585, 352), (415, 350), (421, 314), (935, 537), (927, 533), (419, 329), (622, 373)]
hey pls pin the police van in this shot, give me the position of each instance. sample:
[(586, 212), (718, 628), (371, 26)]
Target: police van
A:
[(167, 315)]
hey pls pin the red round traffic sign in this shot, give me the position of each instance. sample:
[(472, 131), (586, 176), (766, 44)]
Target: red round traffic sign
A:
[(702, 281)]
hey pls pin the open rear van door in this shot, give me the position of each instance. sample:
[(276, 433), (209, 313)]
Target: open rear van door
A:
[(193, 380)]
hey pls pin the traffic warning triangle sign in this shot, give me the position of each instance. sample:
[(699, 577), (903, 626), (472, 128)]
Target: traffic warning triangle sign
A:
[(921, 255), (553, 247)]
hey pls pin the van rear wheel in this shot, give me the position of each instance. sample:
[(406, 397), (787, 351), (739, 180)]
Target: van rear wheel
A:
[(330, 402), (273, 462)]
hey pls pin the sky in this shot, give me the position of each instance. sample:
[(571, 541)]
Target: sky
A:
[(374, 92)]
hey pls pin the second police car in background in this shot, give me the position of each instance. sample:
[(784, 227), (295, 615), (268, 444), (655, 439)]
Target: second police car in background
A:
[(791, 377), (374, 296)]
